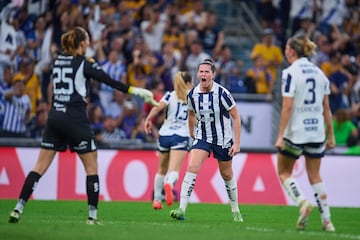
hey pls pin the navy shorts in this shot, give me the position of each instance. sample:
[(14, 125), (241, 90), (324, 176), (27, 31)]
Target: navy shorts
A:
[(313, 150), (174, 142), (220, 153)]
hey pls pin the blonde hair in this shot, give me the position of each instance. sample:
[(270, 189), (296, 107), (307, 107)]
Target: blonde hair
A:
[(70, 41), (303, 46), (180, 81)]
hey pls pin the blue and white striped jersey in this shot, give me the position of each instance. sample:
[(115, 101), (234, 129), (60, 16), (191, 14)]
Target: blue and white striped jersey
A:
[(16, 109), (212, 114), (176, 120)]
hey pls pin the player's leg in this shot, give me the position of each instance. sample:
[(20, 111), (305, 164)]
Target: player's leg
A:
[(159, 179), (286, 161), (320, 193), (89, 160), (200, 151), (44, 160), (226, 172), (175, 162)]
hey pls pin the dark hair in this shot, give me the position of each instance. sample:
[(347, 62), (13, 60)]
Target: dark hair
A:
[(210, 62), (186, 76)]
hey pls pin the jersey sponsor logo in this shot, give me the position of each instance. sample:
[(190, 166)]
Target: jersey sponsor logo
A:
[(309, 121)]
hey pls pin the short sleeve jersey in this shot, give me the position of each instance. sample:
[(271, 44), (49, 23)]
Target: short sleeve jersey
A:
[(176, 120), (212, 114), (307, 85)]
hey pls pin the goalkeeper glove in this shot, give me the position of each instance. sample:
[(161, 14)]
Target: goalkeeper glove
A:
[(145, 94)]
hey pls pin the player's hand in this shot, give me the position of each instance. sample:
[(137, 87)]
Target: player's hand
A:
[(280, 143), (145, 94)]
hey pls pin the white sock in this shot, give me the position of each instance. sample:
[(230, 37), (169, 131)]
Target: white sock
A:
[(92, 212), (158, 186), (232, 191), (187, 187), (294, 191), (20, 205), (172, 177), (321, 200)]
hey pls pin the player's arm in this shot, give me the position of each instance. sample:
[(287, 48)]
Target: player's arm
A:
[(330, 137), (237, 130), (154, 112), (93, 70), (192, 122), (286, 110)]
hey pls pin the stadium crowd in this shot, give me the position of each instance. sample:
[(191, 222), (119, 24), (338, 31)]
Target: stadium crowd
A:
[(144, 43)]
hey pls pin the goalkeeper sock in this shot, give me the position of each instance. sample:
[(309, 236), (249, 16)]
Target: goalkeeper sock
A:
[(187, 187), (29, 186), (321, 200), (92, 190), (158, 186), (292, 188), (232, 191)]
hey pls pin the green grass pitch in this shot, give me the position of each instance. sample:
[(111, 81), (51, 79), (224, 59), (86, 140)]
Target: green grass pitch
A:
[(137, 220)]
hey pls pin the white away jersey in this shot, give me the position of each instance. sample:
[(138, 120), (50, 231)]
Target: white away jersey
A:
[(212, 114), (176, 120), (307, 85)]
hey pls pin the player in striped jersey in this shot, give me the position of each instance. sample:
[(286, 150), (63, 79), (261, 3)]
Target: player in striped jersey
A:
[(68, 124), (305, 112), (213, 110), (174, 141)]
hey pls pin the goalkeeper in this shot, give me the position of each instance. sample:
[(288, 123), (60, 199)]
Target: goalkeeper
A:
[(68, 124)]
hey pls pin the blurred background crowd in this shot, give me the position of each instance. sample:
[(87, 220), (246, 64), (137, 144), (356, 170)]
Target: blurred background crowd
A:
[(144, 43)]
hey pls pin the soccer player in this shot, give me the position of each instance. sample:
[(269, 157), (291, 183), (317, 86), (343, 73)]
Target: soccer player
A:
[(68, 124), (174, 140), (213, 109), (305, 109)]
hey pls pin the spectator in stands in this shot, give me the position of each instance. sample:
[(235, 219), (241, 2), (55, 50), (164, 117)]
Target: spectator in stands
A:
[(17, 110), (333, 64), (341, 83), (224, 65), (260, 75), (271, 53), (301, 13), (37, 125), (114, 67), (332, 14), (110, 133), (267, 13), (195, 17), (139, 133), (322, 51), (153, 30), (129, 116), (96, 118), (32, 82), (211, 36), (5, 85), (345, 130), (196, 56)]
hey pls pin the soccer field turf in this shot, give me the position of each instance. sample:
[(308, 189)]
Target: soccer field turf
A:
[(137, 220)]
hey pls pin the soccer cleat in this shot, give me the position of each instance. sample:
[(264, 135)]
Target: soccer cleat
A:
[(14, 216), (93, 221), (177, 214), (305, 211), (169, 195), (157, 205), (237, 217), (328, 226)]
